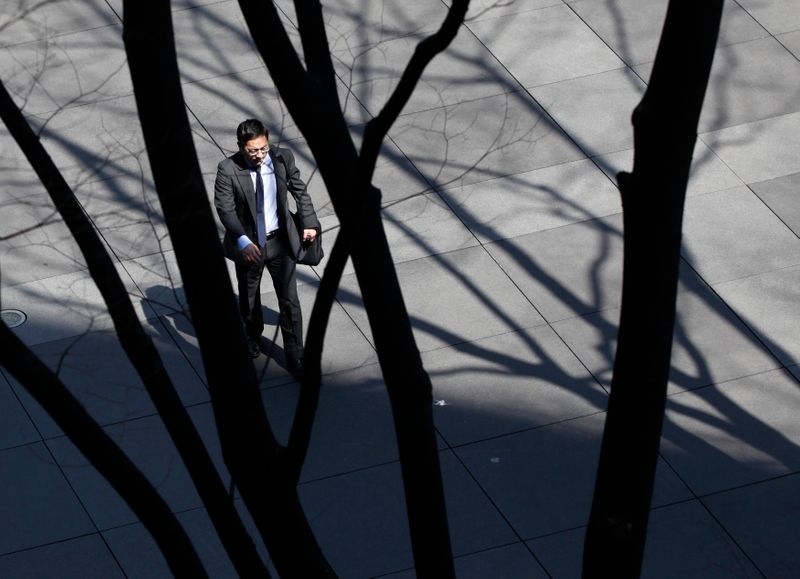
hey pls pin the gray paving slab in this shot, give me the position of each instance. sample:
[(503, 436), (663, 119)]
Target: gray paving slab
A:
[(633, 29), (595, 110), (37, 244), (97, 372), (95, 141), (683, 540), (62, 306), (81, 558), (64, 71), (345, 345), (127, 214), (16, 427), (465, 71), (781, 195), (791, 40), (571, 270), (40, 506), (147, 443), (768, 303), (542, 480), (451, 298), (508, 383), (776, 16), (732, 434), (510, 562), (488, 9), (731, 234), (424, 225), (708, 173), (750, 81), (354, 23), (762, 519), (462, 144), (558, 46), (213, 40), (528, 202), (139, 556), (30, 20), (361, 523), (210, 100), (711, 343), (353, 428), (759, 150)]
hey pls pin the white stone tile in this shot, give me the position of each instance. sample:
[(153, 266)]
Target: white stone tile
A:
[(31, 20), (740, 432), (465, 71), (213, 40), (750, 81), (462, 144), (731, 234), (776, 15), (632, 28), (708, 173), (710, 343), (768, 304), (452, 298), (508, 383), (595, 110), (782, 195), (65, 71), (558, 45), (62, 306), (534, 201), (759, 150), (791, 40), (36, 243), (571, 270)]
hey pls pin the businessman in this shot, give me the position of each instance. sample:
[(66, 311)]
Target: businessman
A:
[(250, 195)]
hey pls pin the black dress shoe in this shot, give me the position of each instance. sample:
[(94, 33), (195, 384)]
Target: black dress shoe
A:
[(253, 348), (295, 366)]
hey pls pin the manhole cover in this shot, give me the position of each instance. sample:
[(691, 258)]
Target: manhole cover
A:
[(13, 318)]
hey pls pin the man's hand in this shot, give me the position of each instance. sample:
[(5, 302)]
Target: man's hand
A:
[(309, 235), (251, 253)]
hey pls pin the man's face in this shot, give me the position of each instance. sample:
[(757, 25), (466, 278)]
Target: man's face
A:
[(256, 149)]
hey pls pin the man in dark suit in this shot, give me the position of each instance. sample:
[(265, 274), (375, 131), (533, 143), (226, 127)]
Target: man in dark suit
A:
[(250, 194)]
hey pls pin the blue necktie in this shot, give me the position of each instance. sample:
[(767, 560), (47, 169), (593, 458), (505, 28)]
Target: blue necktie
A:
[(260, 226)]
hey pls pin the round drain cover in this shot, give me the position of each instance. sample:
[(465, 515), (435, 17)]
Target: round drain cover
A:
[(13, 318)]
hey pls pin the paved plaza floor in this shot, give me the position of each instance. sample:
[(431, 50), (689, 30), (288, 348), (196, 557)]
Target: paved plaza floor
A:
[(501, 208)]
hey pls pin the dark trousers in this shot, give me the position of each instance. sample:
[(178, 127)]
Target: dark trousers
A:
[(276, 259)]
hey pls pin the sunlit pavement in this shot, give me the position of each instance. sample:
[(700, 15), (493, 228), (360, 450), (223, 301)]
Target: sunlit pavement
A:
[(504, 219)]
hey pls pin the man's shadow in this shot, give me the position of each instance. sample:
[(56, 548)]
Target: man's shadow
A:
[(173, 322)]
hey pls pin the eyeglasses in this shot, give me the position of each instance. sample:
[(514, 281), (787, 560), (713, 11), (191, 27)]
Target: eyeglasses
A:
[(254, 152)]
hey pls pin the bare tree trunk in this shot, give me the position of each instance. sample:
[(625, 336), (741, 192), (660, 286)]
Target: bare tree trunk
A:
[(103, 453), (665, 131), (139, 347), (357, 203), (253, 456)]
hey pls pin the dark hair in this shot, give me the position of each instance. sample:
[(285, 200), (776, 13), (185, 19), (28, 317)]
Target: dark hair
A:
[(249, 130)]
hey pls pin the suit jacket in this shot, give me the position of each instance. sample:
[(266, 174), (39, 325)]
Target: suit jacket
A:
[(235, 200)]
